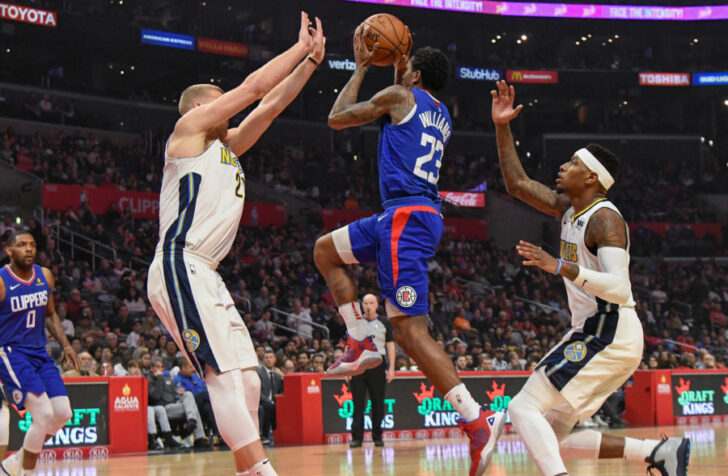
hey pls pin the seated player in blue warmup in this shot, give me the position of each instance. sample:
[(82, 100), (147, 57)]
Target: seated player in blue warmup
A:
[(415, 128), (29, 376)]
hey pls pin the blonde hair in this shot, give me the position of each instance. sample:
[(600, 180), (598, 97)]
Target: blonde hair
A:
[(194, 93)]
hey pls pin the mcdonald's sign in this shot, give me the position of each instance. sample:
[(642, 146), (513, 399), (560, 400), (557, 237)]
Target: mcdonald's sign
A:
[(521, 76)]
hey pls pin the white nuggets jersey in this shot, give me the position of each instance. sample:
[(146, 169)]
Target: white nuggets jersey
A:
[(573, 249), (201, 202)]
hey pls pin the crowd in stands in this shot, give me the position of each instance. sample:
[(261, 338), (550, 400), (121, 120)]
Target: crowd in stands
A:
[(486, 310), (645, 192)]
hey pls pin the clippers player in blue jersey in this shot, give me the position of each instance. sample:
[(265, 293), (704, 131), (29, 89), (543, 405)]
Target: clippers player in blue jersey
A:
[(415, 128), (29, 376)]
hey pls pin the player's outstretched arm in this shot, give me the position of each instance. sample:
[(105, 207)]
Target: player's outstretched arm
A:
[(254, 87), (518, 183), (247, 133), (274, 71), (53, 322)]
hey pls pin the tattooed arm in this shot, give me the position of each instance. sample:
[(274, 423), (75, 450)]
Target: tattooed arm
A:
[(394, 100), (518, 183), (606, 228)]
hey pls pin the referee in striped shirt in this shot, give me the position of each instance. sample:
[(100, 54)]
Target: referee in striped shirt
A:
[(373, 380)]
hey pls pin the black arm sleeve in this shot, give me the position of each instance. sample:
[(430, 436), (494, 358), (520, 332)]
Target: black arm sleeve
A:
[(389, 335)]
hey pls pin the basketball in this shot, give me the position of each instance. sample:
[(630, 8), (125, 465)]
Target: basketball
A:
[(393, 37)]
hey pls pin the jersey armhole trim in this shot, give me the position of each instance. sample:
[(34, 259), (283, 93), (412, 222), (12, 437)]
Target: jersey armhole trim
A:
[(409, 116), (166, 157)]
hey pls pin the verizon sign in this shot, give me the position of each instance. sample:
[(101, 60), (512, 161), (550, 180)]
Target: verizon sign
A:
[(464, 199), (664, 79), (35, 16)]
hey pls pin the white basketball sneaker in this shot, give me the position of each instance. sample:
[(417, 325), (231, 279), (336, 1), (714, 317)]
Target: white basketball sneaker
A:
[(670, 457), (11, 465)]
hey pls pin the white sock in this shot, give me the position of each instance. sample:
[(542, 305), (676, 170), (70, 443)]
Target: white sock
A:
[(355, 322), (461, 400), (638, 450), (262, 468), (583, 444)]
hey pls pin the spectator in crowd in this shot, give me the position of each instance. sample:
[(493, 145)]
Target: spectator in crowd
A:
[(499, 361), (176, 402), (300, 319), (188, 379), (271, 379), (304, 362), (121, 324), (87, 367)]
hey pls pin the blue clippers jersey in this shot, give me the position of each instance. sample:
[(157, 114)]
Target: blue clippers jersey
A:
[(22, 312), (410, 153)]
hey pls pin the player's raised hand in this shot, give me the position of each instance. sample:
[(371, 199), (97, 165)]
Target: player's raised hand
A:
[(362, 55), (304, 37), (502, 110), (318, 45), (535, 256)]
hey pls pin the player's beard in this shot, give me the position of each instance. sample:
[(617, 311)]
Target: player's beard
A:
[(23, 261)]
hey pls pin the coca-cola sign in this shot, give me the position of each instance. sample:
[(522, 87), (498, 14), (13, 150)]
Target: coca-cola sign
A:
[(464, 199)]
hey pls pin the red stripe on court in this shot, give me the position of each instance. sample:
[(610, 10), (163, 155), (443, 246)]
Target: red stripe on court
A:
[(401, 216)]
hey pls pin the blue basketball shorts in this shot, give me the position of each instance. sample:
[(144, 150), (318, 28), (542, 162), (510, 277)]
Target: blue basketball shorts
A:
[(26, 369), (400, 241)]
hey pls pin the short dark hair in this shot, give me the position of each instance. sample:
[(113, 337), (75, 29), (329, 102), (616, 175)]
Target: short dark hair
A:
[(608, 159), (15, 234), (434, 67)]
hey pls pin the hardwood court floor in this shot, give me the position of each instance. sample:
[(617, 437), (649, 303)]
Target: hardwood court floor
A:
[(709, 455)]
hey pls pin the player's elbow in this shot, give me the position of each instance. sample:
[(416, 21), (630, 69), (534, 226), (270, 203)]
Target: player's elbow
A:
[(513, 188), (335, 123), (621, 294), (255, 87)]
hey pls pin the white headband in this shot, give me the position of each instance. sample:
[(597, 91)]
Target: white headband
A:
[(593, 164)]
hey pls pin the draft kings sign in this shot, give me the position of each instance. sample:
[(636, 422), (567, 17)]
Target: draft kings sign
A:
[(699, 394), (412, 403), (87, 427)]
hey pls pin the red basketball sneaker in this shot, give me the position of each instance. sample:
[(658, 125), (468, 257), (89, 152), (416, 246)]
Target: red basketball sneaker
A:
[(358, 357), (483, 434)]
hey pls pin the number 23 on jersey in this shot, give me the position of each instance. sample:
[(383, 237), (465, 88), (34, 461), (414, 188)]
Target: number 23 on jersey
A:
[(436, 149)]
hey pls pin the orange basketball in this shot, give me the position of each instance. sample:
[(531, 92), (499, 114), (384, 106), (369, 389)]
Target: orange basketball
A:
[(392, 36)]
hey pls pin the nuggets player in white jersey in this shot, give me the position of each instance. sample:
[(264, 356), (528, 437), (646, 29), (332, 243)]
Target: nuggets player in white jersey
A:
[(201, 204), (604, 346)]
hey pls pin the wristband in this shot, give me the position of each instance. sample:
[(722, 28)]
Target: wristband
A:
[(561, 263), (313, 60)]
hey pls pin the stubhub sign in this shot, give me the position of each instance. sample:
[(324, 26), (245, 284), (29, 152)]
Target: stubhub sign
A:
[(478, 74)]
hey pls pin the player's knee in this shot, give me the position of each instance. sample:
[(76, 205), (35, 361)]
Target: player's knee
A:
[(319, 251), (322, 251), (45, 419), (517, 409), (62, 416)]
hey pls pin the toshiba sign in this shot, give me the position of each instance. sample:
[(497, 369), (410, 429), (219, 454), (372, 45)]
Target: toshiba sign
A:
[(664, 79), (35, 16)]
